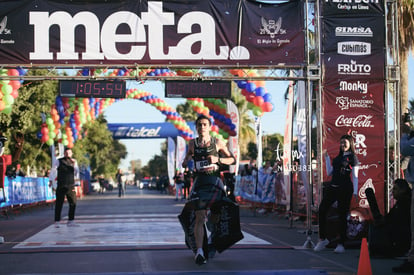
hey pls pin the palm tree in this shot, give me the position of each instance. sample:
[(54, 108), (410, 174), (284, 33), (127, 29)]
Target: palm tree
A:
[(406, 42)]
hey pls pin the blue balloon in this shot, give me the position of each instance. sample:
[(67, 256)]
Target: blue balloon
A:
[(241, 84), (267, 97), (85, 72), (121, 72), (260, 91), (250, 87)]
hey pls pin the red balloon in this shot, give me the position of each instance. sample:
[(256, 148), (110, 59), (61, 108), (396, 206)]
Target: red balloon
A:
[(13, 72), (258, 101), (15, 84), (267, 107), (250, 97)]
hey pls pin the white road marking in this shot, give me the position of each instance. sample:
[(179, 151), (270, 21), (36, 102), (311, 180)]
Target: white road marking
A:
[(118, 230)]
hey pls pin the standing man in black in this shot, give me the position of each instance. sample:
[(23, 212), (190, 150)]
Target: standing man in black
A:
[(67, 176)]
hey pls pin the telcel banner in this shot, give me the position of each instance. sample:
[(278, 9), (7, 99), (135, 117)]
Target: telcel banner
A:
[(144, 130), (201, 32)]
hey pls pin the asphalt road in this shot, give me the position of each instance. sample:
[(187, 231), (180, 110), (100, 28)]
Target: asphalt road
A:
[(140, 234)]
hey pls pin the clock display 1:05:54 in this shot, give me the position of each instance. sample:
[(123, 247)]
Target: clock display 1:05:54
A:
[(97, 88)]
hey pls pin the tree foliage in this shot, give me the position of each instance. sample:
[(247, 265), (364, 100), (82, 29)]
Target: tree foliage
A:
[(96, 149)]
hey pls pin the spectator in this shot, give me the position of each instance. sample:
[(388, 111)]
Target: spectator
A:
[(121, 182), (390, 235), (188, 177), (407, 150), (101, 181), (344, 183), (67, 178), (179, 184)]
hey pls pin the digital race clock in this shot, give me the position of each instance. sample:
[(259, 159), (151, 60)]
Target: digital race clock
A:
[(198, 88), (92, 88)]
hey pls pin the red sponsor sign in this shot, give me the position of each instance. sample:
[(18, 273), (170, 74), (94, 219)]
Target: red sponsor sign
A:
[(353, 88)]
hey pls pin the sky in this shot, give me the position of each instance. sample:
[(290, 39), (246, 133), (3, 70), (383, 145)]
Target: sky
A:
[(136, 111)]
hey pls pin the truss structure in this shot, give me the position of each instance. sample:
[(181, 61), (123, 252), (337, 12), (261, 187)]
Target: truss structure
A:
[(310, 72)]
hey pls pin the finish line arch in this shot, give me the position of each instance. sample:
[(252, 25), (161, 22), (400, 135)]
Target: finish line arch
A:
[(246, 45), (145, 130)]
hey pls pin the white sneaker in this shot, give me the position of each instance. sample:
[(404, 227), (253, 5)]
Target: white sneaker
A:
[(57, 224), (321, 245), (339, 249), (72, 224)]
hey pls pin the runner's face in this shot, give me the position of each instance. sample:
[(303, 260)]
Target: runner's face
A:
[(203, 127)]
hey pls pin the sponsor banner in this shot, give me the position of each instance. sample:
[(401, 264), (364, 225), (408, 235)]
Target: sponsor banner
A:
[(144, 130), (353, 62), (199, 32), (181, 150), (353, 96), (353, 37), (301, 131), (370, 67), (336, 8), (233, 142), (287, 146), (171, 159), (25, 190), (278, 30)]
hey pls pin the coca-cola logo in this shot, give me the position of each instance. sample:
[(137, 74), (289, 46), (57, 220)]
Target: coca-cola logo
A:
[(361, 121)]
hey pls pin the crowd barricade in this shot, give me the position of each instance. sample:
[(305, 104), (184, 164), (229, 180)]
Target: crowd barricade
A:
[(25, 191), (265, 193)]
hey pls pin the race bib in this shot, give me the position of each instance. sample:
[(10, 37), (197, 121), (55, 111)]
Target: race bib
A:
[(202, 164)]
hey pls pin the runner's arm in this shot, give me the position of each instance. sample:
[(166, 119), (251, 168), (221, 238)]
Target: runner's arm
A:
[(226, 157)]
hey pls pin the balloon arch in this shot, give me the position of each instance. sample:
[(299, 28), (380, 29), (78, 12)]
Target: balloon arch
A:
[(65, 127)]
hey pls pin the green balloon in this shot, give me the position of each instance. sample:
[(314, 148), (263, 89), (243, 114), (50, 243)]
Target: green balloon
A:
[(4, 82), (7, 89), (8, 99), (7, 110), (49, 142)]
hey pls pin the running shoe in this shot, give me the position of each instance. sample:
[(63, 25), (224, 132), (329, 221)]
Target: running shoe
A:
[(200, 259), (321, 245), (339, 249), (72, 224)]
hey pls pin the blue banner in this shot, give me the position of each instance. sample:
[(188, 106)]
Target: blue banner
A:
[(145, 130), (25, 190)]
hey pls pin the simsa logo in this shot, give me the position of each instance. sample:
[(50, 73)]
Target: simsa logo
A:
[(101, 41), (354, 31)]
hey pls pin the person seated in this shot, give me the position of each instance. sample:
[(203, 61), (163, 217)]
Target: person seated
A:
[(390, 235)]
